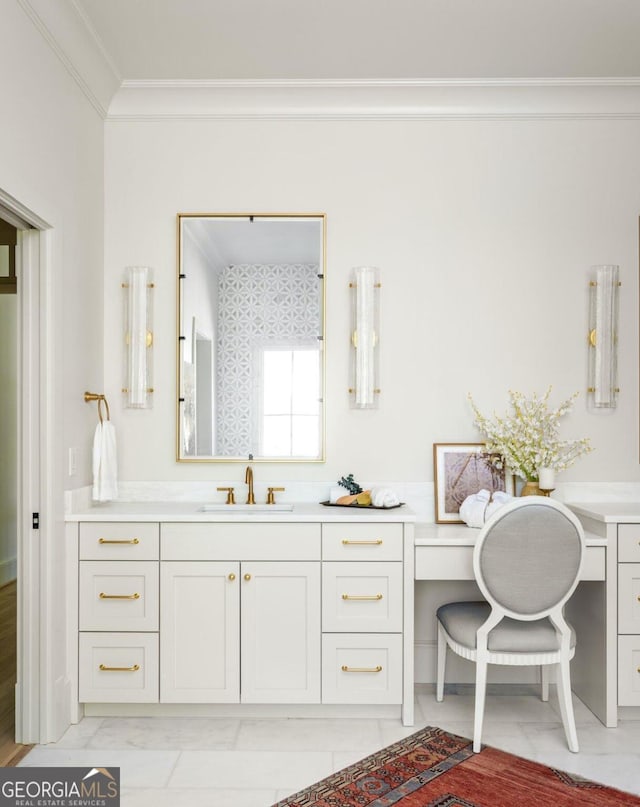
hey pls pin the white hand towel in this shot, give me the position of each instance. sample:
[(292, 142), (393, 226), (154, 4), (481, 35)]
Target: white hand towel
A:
[(473, 508), (384, 497), (105, 467)]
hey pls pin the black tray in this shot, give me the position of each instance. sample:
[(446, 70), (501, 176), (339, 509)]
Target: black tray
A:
[(362, 506)]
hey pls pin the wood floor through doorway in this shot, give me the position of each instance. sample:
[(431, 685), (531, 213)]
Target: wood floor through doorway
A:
[(10, 752)]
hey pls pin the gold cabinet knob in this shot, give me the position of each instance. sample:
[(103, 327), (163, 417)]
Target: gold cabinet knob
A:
[(232, 577), (247, 577)]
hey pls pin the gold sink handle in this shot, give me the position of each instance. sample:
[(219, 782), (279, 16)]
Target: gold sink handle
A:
[(271, 499), (231, 499)]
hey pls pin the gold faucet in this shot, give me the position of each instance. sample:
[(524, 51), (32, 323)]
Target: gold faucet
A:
[(248, 478)]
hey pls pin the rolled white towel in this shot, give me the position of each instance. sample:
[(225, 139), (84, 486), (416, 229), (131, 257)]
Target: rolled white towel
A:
[(473, 508), (498, 500), (384, 497)]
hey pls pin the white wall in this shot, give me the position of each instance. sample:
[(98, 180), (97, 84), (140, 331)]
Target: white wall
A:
[(51, 160), (484, 231), (8, 439)]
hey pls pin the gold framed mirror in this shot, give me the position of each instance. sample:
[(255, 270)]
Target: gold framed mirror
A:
[(251, 320)]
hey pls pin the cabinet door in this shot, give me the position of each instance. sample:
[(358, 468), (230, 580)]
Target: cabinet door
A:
[(199, 639), (280, 632)]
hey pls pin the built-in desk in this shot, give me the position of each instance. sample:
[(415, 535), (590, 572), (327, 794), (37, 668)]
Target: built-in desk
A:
[(445, 552)]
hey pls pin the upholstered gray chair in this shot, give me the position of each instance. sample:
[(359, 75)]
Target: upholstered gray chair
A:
[(526, 561)]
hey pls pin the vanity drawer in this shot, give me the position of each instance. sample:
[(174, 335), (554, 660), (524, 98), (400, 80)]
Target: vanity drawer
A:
[(118, 668), (629, 670), (223, 541), (115, 595), (629, 543), (361, 668), (629, 598), (360, 541), (119, 541), (362, 597)]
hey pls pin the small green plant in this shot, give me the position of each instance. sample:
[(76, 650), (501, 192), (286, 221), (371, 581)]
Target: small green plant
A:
[(350, 484)]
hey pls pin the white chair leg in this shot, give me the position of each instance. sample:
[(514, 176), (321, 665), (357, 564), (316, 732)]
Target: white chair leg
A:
[(481, 686), (566, 705), (544, 682), (442, 660)]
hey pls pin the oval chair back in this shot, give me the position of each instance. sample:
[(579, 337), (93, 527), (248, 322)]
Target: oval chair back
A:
[(527, 558)]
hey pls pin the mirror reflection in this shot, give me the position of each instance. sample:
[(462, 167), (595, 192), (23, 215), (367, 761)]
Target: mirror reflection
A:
[(250, 336)]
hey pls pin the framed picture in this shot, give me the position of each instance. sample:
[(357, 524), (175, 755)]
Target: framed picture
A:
[(459, 470)]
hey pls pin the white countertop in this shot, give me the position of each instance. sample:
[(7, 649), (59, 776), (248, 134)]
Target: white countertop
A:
[(192, 511), (610, 512), (461, 535)]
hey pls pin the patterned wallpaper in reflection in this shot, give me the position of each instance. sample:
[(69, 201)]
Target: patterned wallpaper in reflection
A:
[(259, 305)]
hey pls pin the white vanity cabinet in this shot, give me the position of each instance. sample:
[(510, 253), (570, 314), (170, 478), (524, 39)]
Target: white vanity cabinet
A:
[(118, 604), (245, 629), (629, 614), (309, 610), (362, 613), (607, 616)]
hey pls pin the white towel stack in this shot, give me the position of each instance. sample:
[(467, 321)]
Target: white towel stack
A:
[(384, 497), (478, 508), (105, 466)]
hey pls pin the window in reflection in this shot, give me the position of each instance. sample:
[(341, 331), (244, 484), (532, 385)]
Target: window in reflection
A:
[(290, 401)]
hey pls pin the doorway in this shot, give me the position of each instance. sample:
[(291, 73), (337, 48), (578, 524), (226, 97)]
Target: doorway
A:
[(31, 470), (9, 750)]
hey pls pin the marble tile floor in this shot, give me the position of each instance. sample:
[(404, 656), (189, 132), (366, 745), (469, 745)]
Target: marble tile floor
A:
[(223, 762)]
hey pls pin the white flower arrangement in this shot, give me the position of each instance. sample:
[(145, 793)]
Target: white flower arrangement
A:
[(528, 438)]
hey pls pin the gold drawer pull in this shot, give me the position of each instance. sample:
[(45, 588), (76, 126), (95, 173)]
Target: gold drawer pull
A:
[(376, 669), (104, 596), (133, 668), (247, 577), (362, 596), (119, 541), (348, 542), (232, 577)]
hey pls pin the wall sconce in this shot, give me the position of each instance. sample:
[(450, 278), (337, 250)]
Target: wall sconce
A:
[(138, 336), (603, 337), (365, 289)]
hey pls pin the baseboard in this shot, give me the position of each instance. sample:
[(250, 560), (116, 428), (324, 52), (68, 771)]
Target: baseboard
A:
[(244, 710)]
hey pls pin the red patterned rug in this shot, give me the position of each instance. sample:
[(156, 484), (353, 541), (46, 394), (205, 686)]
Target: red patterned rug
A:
[(435, 769)]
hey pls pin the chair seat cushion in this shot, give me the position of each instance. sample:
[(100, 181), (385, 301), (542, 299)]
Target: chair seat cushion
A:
[(461, 620)]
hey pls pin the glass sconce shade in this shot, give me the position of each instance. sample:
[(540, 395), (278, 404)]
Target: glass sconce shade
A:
[(138, 336), (365, 289), (603, 337)]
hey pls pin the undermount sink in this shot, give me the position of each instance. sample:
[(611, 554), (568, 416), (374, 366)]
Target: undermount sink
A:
[(245, 508)]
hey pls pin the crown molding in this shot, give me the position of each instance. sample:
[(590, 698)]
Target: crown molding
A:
[(378, 99), (67, 31)]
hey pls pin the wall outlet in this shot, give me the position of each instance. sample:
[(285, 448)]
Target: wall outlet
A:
[(73, 461)]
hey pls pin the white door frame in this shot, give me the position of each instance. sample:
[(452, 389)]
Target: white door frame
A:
[(35, 478)]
